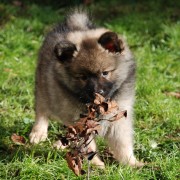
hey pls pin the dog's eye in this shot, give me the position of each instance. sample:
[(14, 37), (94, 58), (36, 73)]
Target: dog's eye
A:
[(105, 73)]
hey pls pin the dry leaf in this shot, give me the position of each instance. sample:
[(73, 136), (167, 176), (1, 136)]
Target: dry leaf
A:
[(91, 130), (101, 110), (74, 163), (91, 114), (112, 104), (175, 94), (98, 99), (118, 116), (91, 124), (72, 130), (112, 108), (20, 140), (80, 125)]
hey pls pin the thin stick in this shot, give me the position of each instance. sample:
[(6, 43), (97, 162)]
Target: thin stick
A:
[(88, 173)]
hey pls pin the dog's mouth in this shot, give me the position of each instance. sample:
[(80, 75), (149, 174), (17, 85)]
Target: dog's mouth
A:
[(85, 98), (89, 98)]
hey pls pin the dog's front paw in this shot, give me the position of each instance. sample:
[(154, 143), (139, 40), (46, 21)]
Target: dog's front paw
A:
[(137, 164), (133, 162), (37, 135), (97, 162)]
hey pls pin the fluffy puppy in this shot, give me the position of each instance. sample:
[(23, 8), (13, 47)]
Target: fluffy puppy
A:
[(76, 61)]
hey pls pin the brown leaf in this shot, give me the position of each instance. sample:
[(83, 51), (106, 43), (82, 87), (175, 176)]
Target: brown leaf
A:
[(91, 114), (175, 94), (121, 114), (102, 109), (118, 116), (107, 108), (91, 124), (79, 163), (112, 107), (98, 99), (91, 109), (71, 137), (112, 104), (105, 105), (20, 140), (80, 125), (90, 130), (74, 163), (71, 134), (72, 130)]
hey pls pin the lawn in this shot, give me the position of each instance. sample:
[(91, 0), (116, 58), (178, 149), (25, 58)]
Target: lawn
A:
[(152, 29)]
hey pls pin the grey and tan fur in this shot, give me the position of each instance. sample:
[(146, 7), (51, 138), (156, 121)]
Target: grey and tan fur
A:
[(75, 61)]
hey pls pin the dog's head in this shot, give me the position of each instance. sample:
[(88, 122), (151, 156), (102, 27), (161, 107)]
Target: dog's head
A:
[(92, 66)]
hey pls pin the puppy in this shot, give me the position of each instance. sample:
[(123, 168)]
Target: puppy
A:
[(76, 61)]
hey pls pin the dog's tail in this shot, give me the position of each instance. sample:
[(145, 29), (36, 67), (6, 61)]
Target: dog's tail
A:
[(79, 19)]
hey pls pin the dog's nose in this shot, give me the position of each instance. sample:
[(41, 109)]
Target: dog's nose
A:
[(101, 92)]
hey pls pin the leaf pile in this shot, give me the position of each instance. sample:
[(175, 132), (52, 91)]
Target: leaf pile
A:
[(80, 134)]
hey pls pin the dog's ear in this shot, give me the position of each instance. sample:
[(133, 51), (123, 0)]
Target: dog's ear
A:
[(111, 42), (64, 51)]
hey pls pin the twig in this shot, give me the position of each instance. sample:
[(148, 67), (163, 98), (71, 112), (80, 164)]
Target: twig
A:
[(88, 173)]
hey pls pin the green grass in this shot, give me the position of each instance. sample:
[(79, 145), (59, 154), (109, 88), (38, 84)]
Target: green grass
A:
[(153, 32)]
